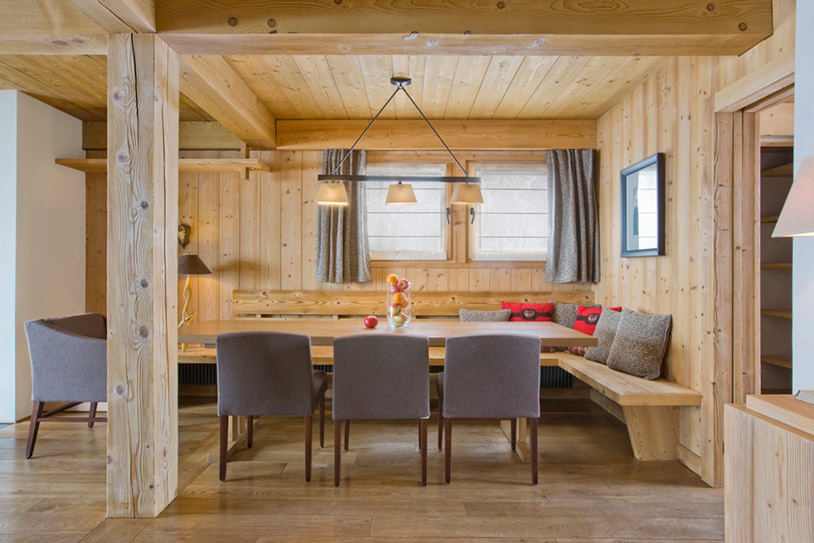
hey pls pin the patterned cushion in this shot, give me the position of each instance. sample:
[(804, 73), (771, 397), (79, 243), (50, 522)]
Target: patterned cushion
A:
[(579, 351), (566, 314), (474, 315), (604, 334), (529, 312), (587, 318), (640, 344)]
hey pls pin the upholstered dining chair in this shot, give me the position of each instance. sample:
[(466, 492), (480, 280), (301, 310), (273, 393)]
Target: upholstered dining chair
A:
[(380, 377), (68, 364), (268, 373), (490, 376)]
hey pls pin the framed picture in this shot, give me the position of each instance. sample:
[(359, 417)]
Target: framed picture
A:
[(643, 207)]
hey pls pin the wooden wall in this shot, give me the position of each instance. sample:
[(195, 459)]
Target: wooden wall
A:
[(672, 112)]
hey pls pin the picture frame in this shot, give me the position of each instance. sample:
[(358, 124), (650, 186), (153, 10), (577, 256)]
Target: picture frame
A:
[(642, 192)]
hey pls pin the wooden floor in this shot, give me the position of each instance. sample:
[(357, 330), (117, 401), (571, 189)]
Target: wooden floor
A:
[(591, 488)]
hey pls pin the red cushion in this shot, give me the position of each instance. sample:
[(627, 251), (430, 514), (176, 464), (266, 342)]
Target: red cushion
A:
[(529, 312), (617, 309), (587, 318)]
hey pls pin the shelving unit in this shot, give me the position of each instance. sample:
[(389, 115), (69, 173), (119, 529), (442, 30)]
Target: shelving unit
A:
[(185, 165), (783, 361), (776, 265), (769, 219), (779, 313)]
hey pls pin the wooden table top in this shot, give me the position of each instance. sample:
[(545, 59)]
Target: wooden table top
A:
[(323, 331)]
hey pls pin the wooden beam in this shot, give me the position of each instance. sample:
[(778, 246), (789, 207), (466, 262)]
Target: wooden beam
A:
[(777, 122), (118, 16), (516, 27), (193, 136), (142, 252), (48, 28), (214, 85), (185, 165), (774, 76), (415, 134)]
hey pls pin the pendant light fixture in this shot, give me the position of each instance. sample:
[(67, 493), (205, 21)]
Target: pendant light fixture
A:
[(467, 189)]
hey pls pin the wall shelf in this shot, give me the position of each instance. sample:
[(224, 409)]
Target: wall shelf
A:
[(185, 165), (786, 170), (776, 265), (769, 218), (780, 313), (783, 361)]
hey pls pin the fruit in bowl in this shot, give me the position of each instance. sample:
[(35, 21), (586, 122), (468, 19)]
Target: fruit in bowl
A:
[(371, 322), (398, 301), (403, 284), (395, 309), (392, 279), (394, 289)]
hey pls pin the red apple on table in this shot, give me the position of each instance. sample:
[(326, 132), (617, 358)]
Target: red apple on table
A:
[(371, 322)]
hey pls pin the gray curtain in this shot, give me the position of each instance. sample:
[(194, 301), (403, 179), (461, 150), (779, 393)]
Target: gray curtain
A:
[(573, 214), (342, 249)]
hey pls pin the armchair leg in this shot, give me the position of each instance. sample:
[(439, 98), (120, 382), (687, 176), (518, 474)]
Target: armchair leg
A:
[(514, 434), (533, 423), (224, 441), (423, 440), (308, 446), (440, 430), (92, 413), (347, 434), (250, 431), (33, 428), (322, 422), (448, 451), (337, 450)]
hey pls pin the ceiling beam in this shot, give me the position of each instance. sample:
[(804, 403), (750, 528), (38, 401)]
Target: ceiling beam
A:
[(48, 28), (527, 27), (213, 84), (119, 16), (415, 134), (192, 135)]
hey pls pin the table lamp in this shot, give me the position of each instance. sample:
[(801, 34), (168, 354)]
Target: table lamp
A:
[(797, 219), (189, 265)]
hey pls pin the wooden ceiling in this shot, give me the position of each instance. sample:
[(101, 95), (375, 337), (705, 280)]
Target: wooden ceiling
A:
[(356, 86)]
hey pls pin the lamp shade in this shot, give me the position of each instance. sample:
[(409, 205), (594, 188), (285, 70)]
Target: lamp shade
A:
[(797, 217), (466, 194), (332, 194), (191, 265), (400, 194)]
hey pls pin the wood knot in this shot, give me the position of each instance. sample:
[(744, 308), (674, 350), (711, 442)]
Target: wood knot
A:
[(337, 2), (467, 33), (60, 43), (742, 27), (122, 157), (272, 23), (538, 42), (144, 204), (232, 21), (143, 331), (119, 389), (501, 5), (144, 283), (710, 7), (432, 43), (78, 40), (109, 459), (118, 96), (411, 36)]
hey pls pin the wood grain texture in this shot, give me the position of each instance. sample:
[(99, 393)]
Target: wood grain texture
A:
[(193, 135), (653, 432), (119, 16), (186, 165), (785, 409), (48, 28), (142, 464), (777, 74)]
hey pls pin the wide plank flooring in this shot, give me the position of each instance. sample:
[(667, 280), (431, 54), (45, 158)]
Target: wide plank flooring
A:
[(591, 488)]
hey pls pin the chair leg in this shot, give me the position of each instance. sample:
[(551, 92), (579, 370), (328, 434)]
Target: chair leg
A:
[(423, 439), (308, 446), (347, 433), (440, 430), (533, 423), (514, 435), (448, 451), (250, 431), (92, 414), (337, 450), (224, 441), (419, 435), (33, 428), (322, 422)]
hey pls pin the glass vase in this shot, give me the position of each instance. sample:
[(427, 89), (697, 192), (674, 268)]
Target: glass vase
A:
[(399, 311)]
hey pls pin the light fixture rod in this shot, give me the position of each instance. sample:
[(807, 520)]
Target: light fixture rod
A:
[(397, 178), (373, 120)]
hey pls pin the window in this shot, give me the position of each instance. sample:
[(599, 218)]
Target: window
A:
[(411, 232), (512, 223)]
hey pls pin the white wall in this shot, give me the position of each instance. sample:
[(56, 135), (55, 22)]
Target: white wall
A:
[(803, 267), (48, 235)]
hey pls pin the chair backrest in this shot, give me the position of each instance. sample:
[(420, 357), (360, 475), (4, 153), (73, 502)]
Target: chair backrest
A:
[(68, 358), (492, 376), (381, 377), (264, 373)]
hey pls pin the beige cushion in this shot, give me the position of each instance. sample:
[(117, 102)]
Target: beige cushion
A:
[(475, 315), (604, 334), (640, 344)]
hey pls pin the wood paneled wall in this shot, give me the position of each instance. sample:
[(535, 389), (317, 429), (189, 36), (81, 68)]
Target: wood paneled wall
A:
[(672, 112)]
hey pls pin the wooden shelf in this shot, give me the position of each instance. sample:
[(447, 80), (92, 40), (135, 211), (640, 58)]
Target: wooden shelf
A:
[(781, 313), (185, 165), (777, 360), (786, 170), (770, 218), (776, 265)]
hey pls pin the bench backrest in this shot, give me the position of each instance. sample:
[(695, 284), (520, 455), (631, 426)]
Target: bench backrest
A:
[(373, 302)]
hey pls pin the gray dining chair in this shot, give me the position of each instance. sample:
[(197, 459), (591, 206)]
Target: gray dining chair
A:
[(490, 376), (268, 373), (380, 377), (68, 364)]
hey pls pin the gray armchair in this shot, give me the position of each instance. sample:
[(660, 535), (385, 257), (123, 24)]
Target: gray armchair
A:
[(490, 376), (68, 364), (268, 373), (380, 377)]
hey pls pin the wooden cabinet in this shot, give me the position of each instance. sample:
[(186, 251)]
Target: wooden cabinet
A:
[(769, 470)]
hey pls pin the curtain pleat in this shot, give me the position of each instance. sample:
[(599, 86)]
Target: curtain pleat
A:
[(573, 211), (342, 247)]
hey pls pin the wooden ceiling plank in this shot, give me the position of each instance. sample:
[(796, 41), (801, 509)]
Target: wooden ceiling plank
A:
[(351, 85), (560, 75), (119, 16), (438, 77), (317, 74), (213, 84), (527, 81), (597, 73), (377, 71), (469, 74), (498, 79), (668, 27), (412, 66), (253, 71), (641, 69), (283, 71), (48, 28)]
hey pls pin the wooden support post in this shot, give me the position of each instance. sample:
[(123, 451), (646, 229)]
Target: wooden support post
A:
[(142, 432), (653, 431)]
